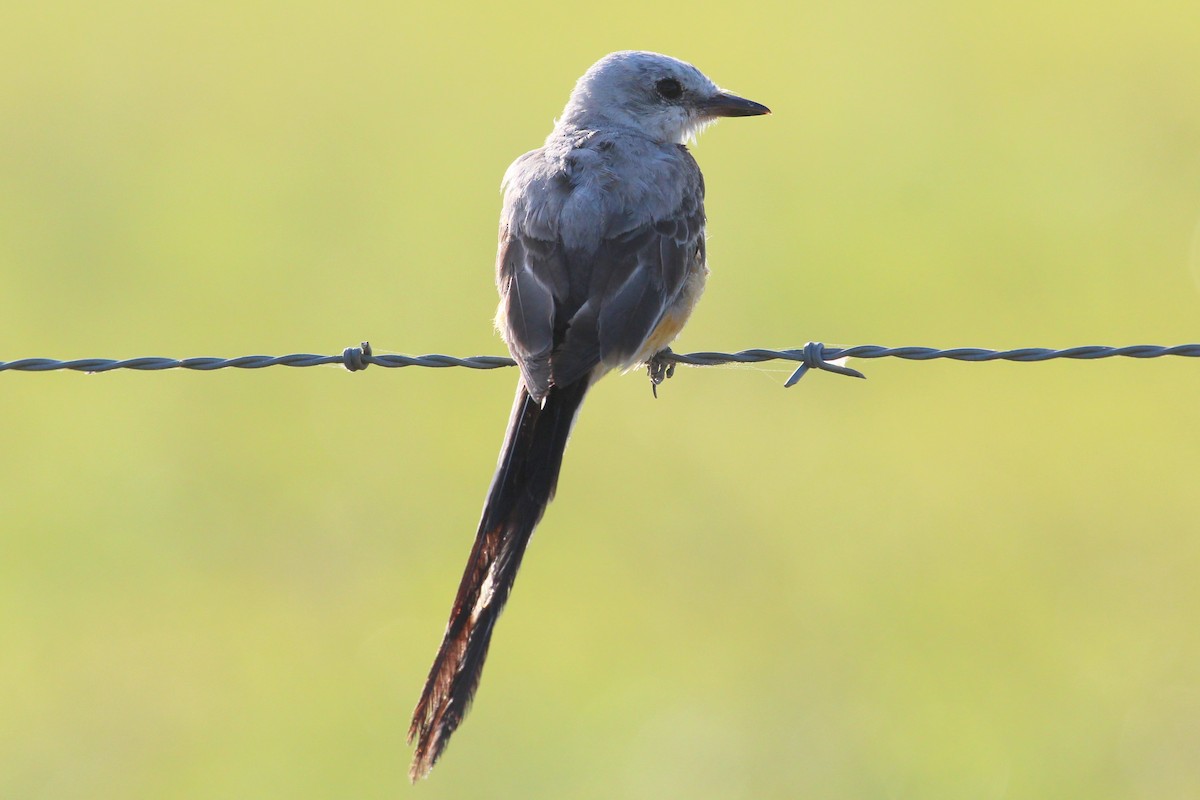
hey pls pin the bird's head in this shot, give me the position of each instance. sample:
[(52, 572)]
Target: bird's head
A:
[(663, 98)]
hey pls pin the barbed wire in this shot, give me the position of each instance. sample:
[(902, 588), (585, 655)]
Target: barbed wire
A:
[(813, 355)]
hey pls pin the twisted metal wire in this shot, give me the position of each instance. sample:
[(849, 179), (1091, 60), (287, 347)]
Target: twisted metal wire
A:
[(813, 355)]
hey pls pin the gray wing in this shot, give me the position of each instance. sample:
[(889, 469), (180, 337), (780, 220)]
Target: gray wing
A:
[(563, 312), (532, 279), (638, 277)]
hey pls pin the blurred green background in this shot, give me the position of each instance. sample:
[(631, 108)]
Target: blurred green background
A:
[(948, 581)]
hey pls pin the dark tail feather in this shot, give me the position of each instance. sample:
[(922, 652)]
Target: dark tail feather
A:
[(524, 484)]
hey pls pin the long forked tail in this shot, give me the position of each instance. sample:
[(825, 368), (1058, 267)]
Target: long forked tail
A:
[(524, 484)]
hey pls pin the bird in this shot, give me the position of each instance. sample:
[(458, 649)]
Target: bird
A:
[(600, 261)]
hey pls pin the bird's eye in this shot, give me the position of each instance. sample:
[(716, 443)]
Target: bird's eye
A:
[(669, 89)]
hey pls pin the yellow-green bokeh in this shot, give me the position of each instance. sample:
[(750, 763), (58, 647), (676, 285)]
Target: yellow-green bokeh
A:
[(948, 581)]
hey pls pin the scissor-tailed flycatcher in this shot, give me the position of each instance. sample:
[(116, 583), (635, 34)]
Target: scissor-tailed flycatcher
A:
[(601, 261)]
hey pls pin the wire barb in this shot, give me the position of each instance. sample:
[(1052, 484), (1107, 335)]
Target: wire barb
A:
[(357, 358), (813, 355)]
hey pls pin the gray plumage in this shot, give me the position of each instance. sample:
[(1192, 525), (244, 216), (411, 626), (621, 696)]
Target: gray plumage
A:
[(614, 185), (601, 259)]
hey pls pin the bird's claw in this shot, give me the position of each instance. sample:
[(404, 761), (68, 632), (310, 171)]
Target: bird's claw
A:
[(659, 368)]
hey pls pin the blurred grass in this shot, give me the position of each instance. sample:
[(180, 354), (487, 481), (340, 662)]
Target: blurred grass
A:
[(950, 581)]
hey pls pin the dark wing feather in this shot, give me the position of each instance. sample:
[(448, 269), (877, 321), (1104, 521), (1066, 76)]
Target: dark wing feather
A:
[(639, 276), (531, 275)]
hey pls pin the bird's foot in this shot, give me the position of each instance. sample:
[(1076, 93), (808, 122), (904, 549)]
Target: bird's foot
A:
[(659, 368)]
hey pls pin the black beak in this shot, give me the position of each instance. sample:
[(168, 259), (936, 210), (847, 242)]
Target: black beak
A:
[(724, 104)]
